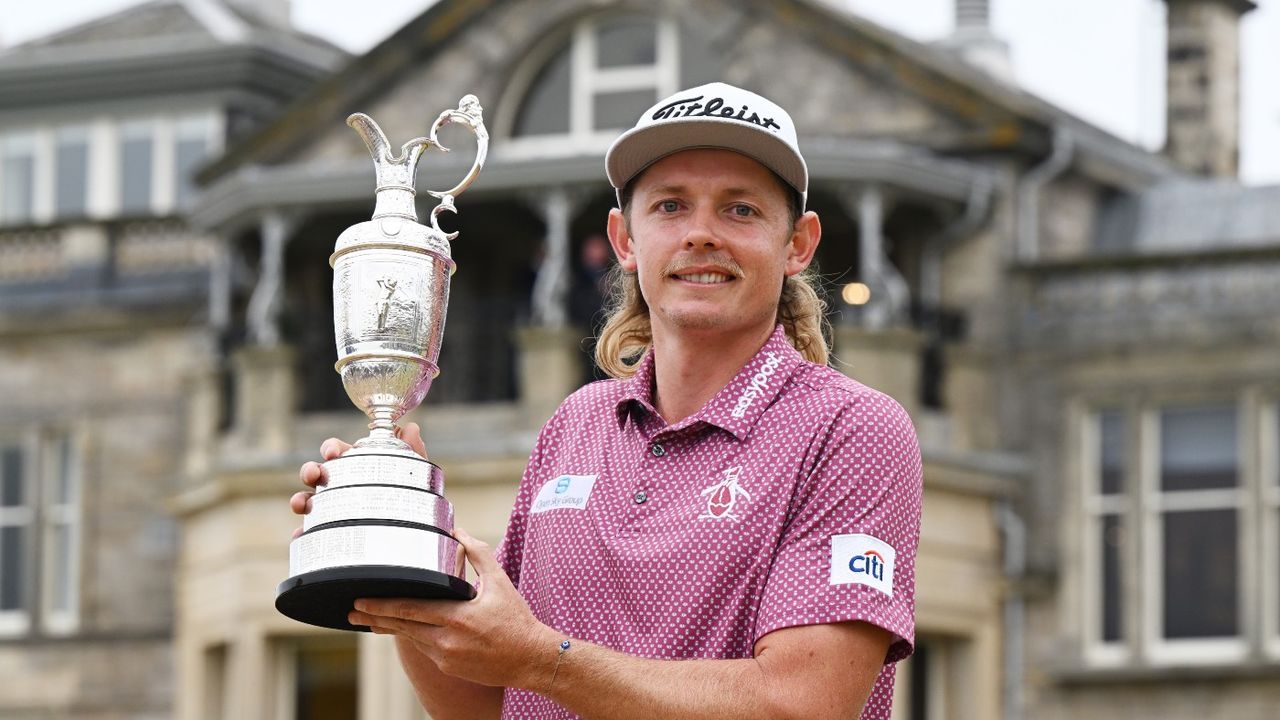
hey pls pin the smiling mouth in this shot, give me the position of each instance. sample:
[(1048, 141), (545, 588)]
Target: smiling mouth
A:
[(704, 278)]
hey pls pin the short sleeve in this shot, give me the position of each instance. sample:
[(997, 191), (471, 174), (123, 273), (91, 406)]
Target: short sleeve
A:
[(510, 552), (848, 550)]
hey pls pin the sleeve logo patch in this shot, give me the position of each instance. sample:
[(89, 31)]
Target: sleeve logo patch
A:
[(565, 492), (863, 560)]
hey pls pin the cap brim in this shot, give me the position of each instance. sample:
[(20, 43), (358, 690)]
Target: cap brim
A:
[(639, 148)]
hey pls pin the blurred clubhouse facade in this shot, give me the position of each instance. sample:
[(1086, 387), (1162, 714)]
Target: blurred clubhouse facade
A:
[(1086, 333)]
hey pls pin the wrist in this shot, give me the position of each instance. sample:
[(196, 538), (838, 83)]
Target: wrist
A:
[(544, 657)]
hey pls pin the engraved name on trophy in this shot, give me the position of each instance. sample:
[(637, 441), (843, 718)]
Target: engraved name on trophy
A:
[(380, 526)]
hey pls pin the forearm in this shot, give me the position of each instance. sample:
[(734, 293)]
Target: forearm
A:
[(599, 684), (446, 697)]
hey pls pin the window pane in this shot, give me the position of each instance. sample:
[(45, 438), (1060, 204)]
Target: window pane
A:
[(546, 108), (12, 542), (1113, 545), (18, 183), (1198, 448), (626, 41), (63, 491), (11, 489), (1200, 565), (327, 680), (135, 174), (1111, 432), (188, 156), (72, 175), (60, 582), (617, 110)]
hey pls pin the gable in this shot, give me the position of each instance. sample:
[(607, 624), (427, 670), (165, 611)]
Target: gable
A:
[(839, 79)]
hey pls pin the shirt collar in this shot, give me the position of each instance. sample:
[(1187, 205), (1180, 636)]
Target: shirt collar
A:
[(740, 403)]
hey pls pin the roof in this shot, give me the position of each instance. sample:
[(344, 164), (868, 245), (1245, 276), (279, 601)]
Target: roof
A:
[(159, 47), (1013, 119)]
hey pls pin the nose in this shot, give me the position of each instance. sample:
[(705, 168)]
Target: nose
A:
[(702, 231)]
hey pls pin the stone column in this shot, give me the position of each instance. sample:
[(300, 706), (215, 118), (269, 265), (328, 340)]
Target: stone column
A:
[(886, 359), (264, 304), (889, 292), (265, 397), (550, 349)]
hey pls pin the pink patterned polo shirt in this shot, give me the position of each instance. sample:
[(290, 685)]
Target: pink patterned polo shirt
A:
[(792, 498)]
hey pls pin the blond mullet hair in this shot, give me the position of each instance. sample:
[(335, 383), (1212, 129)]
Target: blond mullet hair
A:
[(627, 334)]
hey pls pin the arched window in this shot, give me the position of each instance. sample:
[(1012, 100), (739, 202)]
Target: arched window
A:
[(612, 68)]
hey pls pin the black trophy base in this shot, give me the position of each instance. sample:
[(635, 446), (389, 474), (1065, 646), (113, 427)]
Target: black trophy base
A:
[(324, 597)]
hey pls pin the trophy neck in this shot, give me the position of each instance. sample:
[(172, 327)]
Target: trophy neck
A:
[(395, 201)]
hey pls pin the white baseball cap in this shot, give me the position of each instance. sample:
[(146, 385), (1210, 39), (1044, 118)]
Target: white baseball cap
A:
[(716, 115)]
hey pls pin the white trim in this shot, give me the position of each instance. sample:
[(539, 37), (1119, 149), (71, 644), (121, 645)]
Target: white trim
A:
[(104, 169), (1269, 490), (163, 175), (18, 622), (70, 514), (42, 191)]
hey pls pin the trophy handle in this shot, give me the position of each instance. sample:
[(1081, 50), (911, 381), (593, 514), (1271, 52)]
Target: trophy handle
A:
[(468, 113)]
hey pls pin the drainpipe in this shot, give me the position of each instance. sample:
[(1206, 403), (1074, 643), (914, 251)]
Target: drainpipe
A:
[(1015, 566), (1027, 246)]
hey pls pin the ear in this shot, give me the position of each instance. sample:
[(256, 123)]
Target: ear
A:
[(805, 237), (620, 239)]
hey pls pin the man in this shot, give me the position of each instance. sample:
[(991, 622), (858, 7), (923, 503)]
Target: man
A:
[(727, 530)]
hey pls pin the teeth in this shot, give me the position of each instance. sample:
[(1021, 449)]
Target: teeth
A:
[(707, 278)]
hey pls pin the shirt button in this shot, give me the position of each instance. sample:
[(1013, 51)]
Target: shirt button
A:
[(657, 450), (640, 497)]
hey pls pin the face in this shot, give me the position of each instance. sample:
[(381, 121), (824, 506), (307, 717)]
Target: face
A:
[(710, 237)]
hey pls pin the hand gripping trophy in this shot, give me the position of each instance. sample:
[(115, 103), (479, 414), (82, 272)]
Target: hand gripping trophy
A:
[(380, 526)]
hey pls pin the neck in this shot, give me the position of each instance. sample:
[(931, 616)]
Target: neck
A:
[(690, 368)]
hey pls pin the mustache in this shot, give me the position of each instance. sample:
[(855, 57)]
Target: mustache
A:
[(717, 262)]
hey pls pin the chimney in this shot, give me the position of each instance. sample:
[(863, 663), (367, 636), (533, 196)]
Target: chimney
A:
[(1203, 107), (976, 43)]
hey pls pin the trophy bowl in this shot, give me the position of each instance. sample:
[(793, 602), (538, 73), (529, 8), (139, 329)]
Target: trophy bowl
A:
[(380, 526)]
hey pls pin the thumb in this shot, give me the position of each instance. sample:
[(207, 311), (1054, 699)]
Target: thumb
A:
[(479, 554)]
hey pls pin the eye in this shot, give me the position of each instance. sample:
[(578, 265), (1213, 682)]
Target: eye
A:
[(743, 210), (668, 206)]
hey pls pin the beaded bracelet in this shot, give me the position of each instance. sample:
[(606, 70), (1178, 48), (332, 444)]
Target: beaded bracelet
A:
[(564, 647)]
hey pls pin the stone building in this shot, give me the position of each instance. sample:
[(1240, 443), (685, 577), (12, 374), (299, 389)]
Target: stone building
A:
[(103, 321), (1083, 331)]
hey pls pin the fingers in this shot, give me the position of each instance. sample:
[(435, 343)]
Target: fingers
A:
[(478, 553), (300, 503), (297, 533), (332, 448), (411, 433), (312, 474)]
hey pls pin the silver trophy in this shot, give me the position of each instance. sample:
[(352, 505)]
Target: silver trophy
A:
[(380, 526)]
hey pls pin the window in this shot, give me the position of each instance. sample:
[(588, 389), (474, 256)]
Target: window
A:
[(17, 178), (39, 534), (317, 678), (192, 145), (135, 167), (71, 174), (1168, 534), (612, 69), (1107, 505)]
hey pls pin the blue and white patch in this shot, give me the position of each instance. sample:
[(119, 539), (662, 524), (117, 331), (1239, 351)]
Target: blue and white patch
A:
[(568, 492), (862, 560)]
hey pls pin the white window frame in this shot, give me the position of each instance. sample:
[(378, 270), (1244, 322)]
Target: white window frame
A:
[(52, 620), (25, 141), (1096, 506), (1269, 507), (38, 448), (1255, 499), (1154, 503), (585, 82)]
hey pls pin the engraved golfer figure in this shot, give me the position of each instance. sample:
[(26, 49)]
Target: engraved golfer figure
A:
[(388, 286)]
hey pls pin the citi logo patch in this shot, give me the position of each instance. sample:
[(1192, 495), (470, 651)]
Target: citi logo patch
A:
[(565, 492), (860, 559)]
